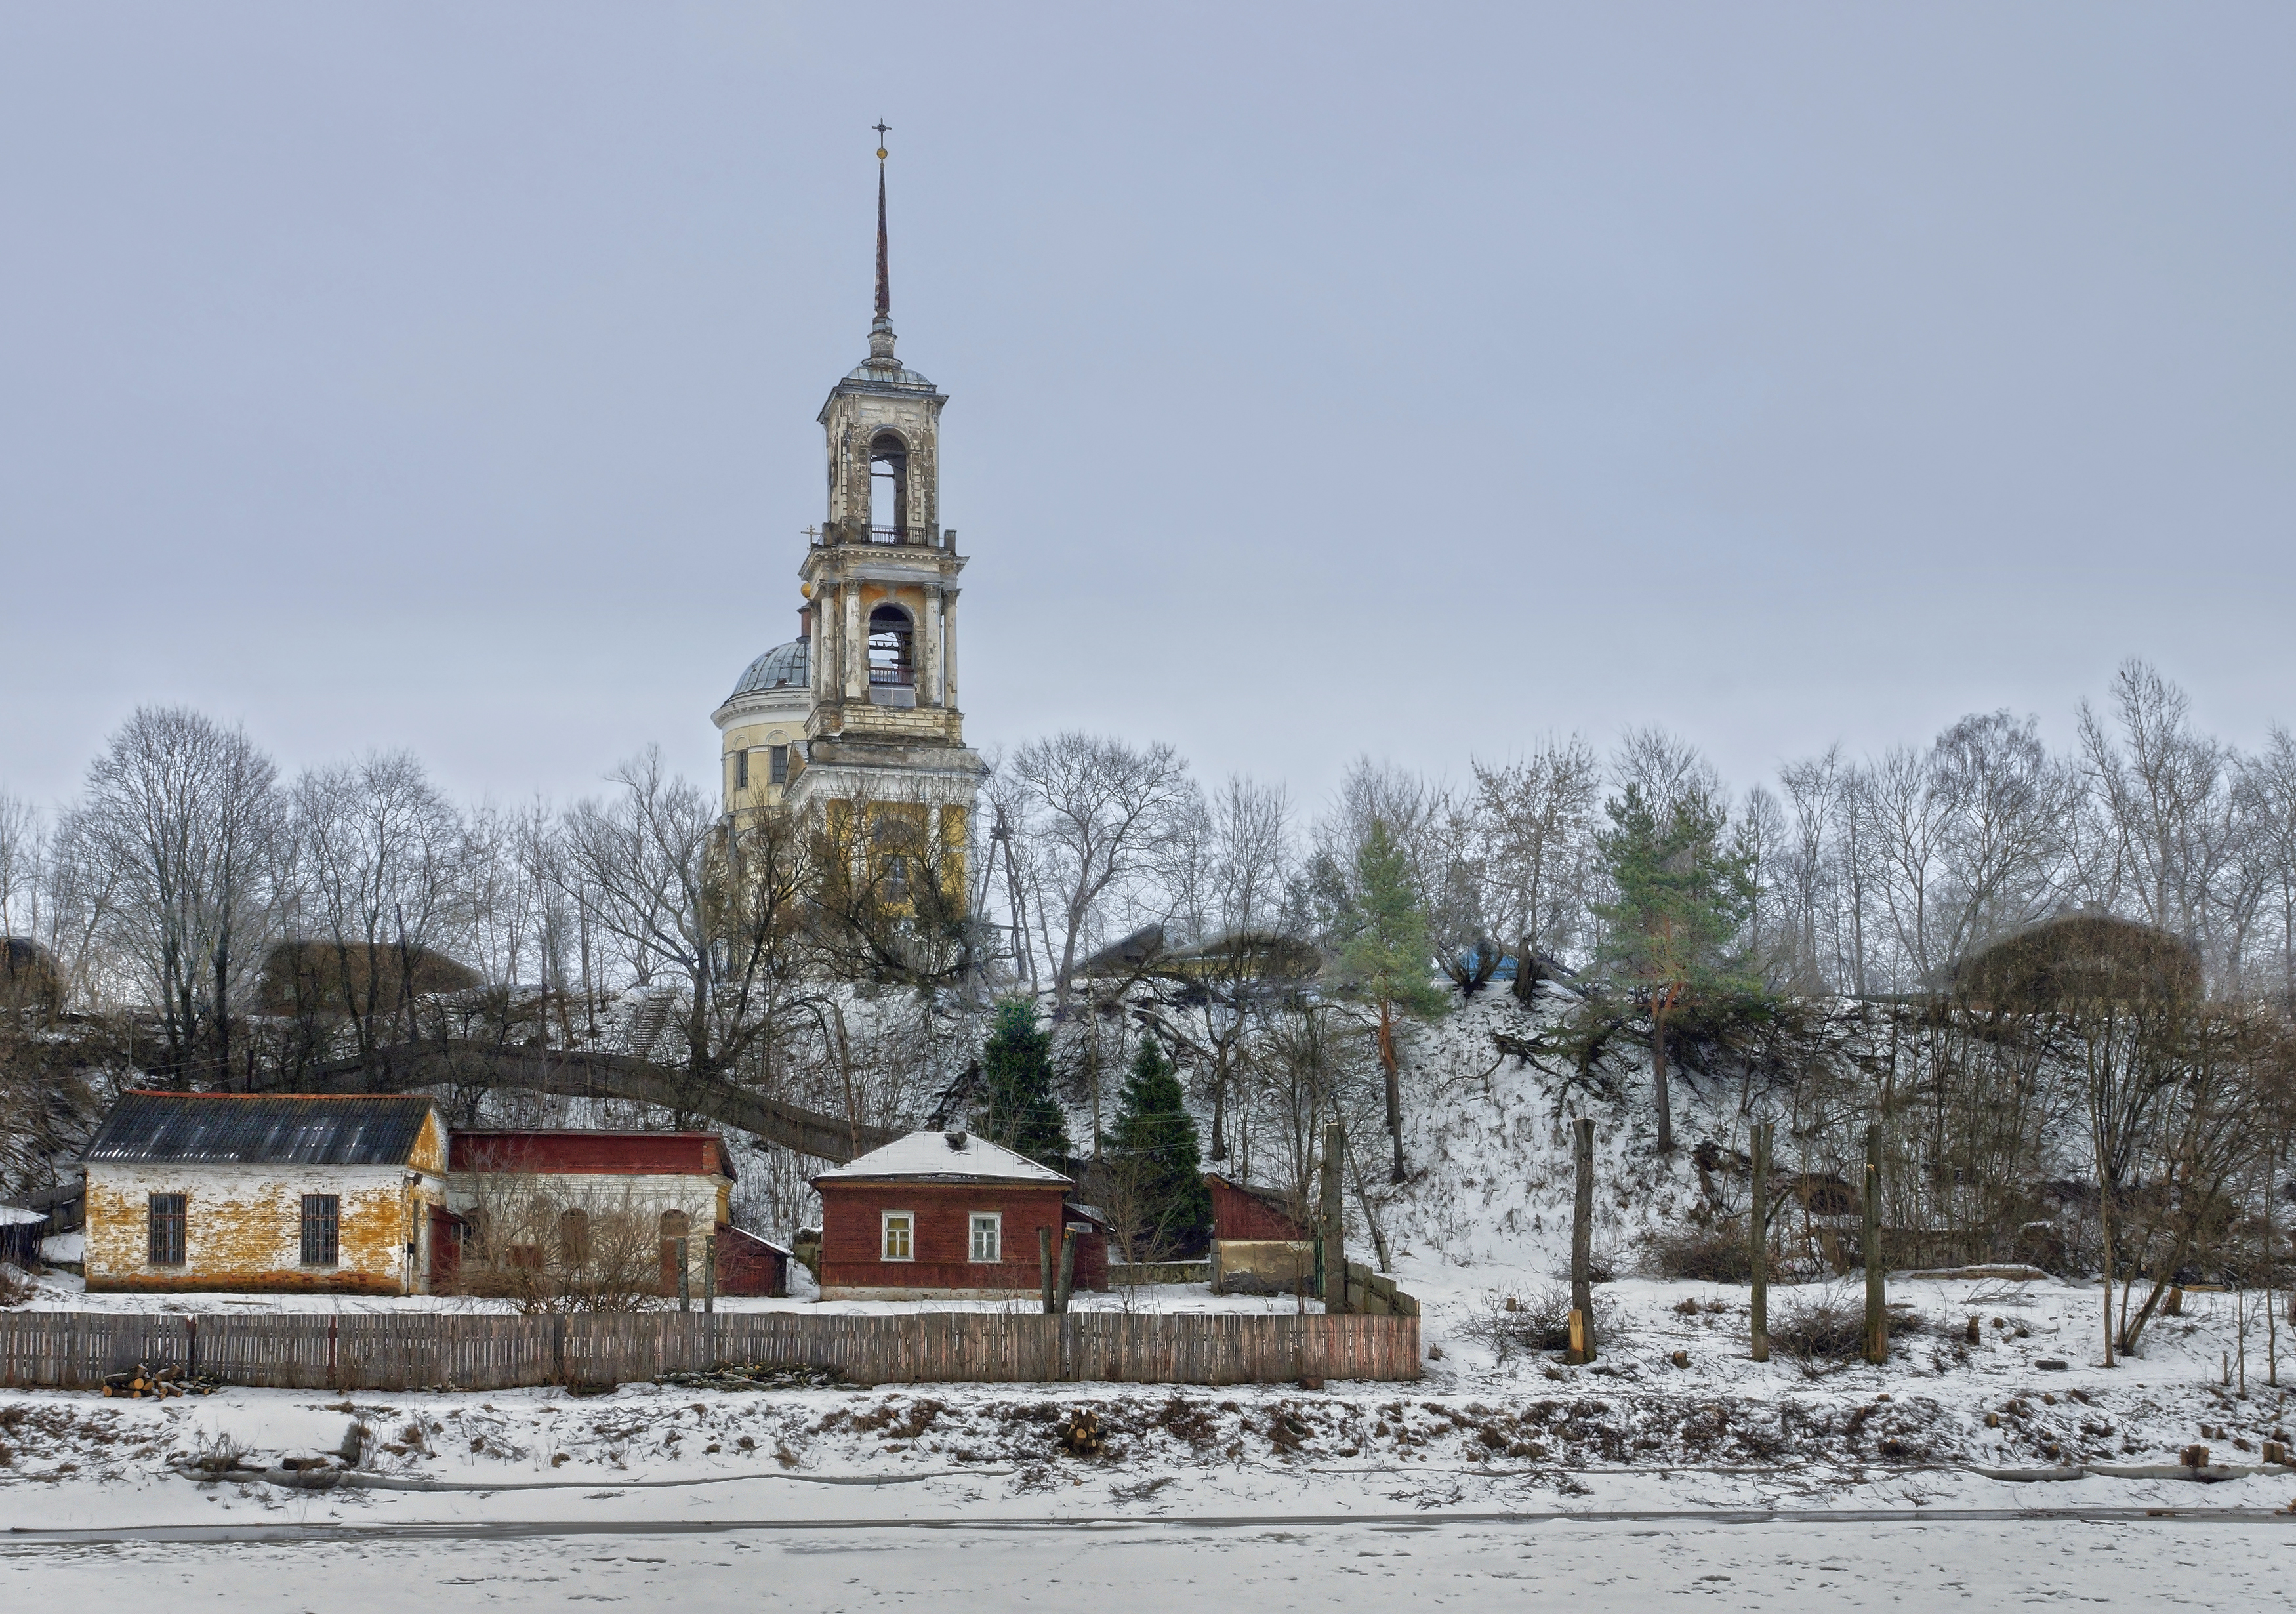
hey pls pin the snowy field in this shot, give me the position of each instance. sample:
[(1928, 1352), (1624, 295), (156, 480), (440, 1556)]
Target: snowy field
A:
[(1599, 1567), (1674, 1466)]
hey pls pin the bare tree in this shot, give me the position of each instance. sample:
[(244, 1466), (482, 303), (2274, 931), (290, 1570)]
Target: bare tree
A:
[(184, 812), (1101, 815), (1228, 870), (377, 846), (1536, 821)]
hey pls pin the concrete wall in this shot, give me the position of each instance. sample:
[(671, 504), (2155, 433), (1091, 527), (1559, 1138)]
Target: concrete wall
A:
[(1262, 1266)]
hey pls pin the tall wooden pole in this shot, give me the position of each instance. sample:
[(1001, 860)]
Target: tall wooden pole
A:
[(1757, 1232), (1045, 1276), (684, 1280), (1335, 1250), (1877, 1318), (1582, 1245)]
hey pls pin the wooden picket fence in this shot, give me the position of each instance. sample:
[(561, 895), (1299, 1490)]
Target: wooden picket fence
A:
[(445, 1351)]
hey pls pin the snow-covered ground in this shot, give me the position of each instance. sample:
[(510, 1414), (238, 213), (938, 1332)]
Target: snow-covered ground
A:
[(1867, 1481)]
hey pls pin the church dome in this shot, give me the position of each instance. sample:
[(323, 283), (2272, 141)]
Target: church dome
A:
[(783, 667)]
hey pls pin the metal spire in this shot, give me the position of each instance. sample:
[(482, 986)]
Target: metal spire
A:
[(884, 275)]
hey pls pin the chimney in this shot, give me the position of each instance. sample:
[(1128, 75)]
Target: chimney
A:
[(955, 1138)]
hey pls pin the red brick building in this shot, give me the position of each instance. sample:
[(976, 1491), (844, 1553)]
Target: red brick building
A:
[(945, 1214), (684, 1181)]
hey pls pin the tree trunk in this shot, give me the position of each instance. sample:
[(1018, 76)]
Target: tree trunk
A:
[(1659, 1007), (1394, 1086), (1334, 1220)]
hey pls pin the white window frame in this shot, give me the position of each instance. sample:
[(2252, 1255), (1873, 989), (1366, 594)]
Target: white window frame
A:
[(885, 1234), (995, 1222)]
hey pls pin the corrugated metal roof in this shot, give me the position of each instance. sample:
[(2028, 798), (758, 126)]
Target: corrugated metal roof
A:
[(288, 1128)]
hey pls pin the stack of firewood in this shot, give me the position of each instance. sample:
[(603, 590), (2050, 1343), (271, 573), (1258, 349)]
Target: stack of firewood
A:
[(1081, 1435), (159, 1383)]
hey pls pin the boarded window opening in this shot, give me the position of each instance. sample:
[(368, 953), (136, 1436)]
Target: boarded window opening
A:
[(165, 1246), (574, 1237), (322, 1229)]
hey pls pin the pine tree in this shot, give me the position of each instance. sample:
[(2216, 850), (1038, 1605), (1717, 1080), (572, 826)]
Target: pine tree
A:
[(1387, 957), (1157, 1149), (1682, 897), (1016, 1066)]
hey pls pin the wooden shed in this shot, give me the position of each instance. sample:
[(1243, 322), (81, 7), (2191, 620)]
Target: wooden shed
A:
[(264, 1192), (944, 1215), (1262, 1242)]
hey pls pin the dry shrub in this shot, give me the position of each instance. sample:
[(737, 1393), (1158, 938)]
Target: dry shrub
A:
[(1703, 1254), (15, 1288), (1826, 1329), (1509, 1325), (545, 1251)]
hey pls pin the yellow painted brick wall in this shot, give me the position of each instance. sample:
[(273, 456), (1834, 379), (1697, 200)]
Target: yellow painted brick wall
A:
[(243, 1225)]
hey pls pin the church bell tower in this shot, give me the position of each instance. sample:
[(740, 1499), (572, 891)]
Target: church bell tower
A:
[(885, 734)]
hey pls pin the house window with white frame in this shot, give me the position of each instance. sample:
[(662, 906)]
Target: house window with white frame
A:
[(900, 1228), (988, 1235)]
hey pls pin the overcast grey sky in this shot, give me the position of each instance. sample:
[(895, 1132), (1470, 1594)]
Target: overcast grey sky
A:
[(1409, 379)]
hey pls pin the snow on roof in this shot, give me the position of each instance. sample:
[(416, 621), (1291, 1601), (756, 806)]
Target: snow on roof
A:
[(942, 1157), (16, 1215)]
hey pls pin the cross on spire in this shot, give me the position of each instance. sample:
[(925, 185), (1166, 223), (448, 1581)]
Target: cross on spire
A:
[(884, 273)]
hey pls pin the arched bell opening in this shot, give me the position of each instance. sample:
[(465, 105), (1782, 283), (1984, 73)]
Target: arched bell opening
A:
[(888, 489), (892, 649)]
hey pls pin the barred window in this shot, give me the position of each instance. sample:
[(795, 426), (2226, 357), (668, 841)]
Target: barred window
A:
[(740, 770), (322, 1213), (167, 1235)]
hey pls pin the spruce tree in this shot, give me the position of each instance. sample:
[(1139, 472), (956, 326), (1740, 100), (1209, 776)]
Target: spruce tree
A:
[(1016, 1066), (1156, 1146), (1682, 897), (1388, 959)]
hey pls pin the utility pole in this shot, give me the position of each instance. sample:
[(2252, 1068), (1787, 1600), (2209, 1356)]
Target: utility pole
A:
[(1582, 1244), (1758, 1222), (1877, 1318)]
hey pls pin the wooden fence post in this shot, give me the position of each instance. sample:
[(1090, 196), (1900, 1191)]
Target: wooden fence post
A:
[(1877, 1318), (1758, 1222), (1067, 1268), (1335, 1253), (1045, 1275), (684, 1280), (710, 1276), (1582, 1240)]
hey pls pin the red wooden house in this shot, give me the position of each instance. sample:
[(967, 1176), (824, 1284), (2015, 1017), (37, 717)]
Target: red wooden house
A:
[(939, 1214)]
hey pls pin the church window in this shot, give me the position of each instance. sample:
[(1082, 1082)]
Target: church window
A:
[(740, 770), (889, 490), (780, 765), (891, 636)]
